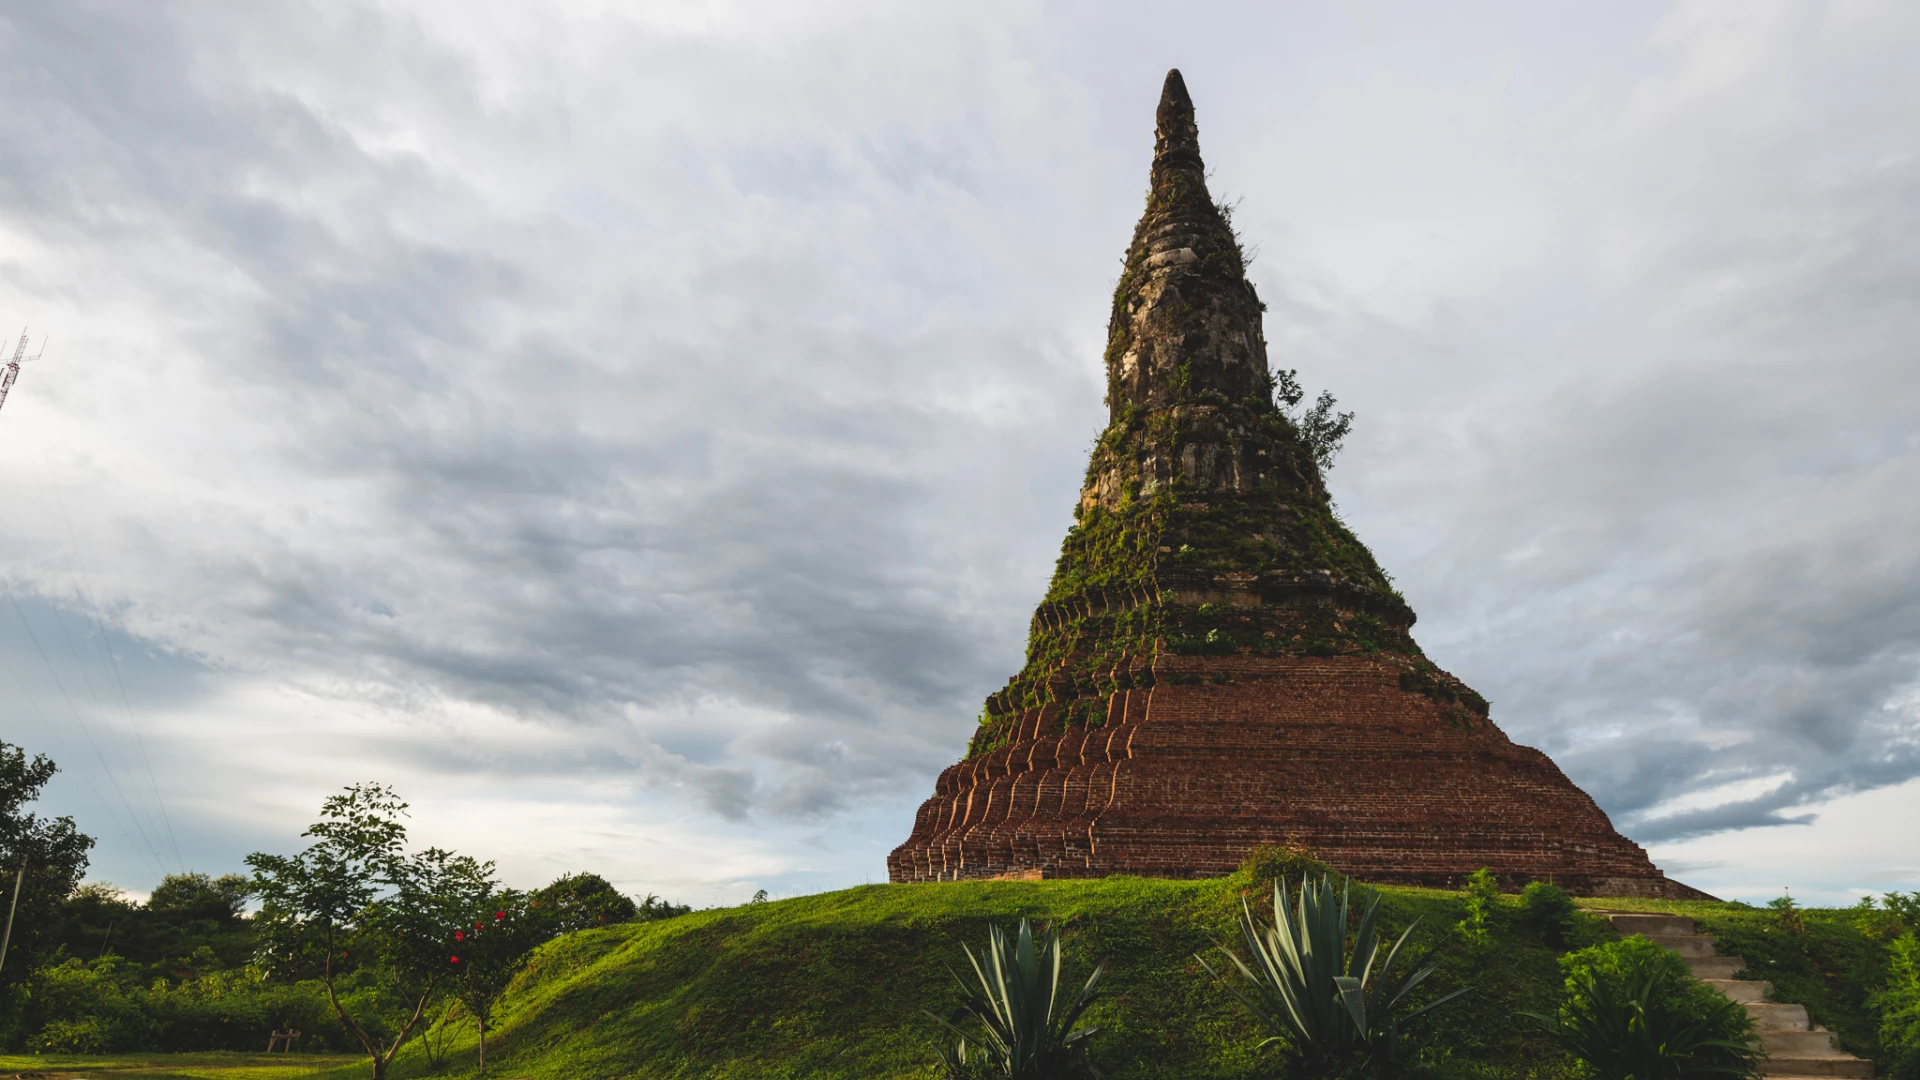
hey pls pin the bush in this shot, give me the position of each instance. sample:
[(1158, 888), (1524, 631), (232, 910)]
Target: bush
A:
[(1483, 895), (1548, 911), (88, 1008), (1899, 1006), (1027, 1028), (1268, 863), (1335, 1009), (1633, 1011)]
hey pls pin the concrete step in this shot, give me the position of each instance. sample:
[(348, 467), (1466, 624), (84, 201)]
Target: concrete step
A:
[(1832, 1065), (1688, 945), (1631, 923), (1743, 990), (1794, 1046), (1791, 1044), (1772, 1016), (1714, 968)]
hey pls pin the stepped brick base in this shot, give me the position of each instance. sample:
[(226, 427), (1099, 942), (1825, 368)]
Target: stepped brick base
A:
[(1220, 754)]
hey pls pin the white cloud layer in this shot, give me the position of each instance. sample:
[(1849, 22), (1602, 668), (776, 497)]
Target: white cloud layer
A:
[(641, 432)]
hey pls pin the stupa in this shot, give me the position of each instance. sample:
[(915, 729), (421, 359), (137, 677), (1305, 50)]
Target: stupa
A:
[(1219, 662)]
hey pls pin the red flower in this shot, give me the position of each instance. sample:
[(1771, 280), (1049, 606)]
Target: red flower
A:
[(453, 959), (476, 926), (499, 914), (343, 955), (459, 935)]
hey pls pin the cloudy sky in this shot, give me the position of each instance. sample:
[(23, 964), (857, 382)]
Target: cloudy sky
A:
[(640, 432)]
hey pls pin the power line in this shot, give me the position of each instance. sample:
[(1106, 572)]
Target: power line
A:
[(54, 730), (157, 862), (103, 647)]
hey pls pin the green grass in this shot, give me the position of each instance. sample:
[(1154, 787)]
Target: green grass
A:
[(217, 1065), (832, 986)]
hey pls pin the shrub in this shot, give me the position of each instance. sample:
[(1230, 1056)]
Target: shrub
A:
[(1547, 910), (1330, 1005), (89, 1007), (1028, 1030), (1633, 1011), (1899, 1007), (1483, 893), (1790, 918), (1268, 863)]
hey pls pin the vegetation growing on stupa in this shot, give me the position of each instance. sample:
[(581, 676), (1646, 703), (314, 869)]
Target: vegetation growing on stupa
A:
[(1204, 526)]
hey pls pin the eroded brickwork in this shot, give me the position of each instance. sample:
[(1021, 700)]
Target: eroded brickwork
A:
[(1219, 662), (1185, 777)]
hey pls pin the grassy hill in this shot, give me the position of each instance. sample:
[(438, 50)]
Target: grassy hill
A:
[(832, 985)]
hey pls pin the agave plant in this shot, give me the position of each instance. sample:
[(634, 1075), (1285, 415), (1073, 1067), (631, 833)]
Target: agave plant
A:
[(1027, 1026), (1632, 1036), (1309, 990)]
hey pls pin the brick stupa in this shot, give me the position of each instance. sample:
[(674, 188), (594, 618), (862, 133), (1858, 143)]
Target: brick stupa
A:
[(1219, 662)]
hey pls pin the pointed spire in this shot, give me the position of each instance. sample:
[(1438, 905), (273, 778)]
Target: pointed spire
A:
[(1186, 324), (1176, 144)]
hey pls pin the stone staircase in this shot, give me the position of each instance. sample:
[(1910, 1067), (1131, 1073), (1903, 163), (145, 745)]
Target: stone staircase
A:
[(1795, 1046)]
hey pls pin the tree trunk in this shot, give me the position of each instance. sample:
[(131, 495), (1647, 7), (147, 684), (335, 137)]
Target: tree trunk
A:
[(483, 1048)]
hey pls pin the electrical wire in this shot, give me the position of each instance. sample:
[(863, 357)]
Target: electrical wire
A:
[(153, 851), (87, 778)]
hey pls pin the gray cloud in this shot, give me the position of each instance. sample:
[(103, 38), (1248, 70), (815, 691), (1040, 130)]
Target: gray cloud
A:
[(719, 391)]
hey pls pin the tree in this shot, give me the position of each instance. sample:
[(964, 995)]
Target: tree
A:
[(365, 916), (1321, 429), (492, 947), (198, 896), (54, 853), (584, 901)]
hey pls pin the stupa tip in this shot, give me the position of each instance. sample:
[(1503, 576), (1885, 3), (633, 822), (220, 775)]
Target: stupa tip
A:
[(1174, 102), (1176, 131)]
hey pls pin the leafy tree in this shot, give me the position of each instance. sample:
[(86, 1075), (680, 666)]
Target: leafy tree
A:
[(1320, 427), (583, 901), (54, 853), (160, 939), (198, 896), (364, 915), (503, 927)]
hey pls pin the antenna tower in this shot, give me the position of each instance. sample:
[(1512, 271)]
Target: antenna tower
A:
[(12, 373)]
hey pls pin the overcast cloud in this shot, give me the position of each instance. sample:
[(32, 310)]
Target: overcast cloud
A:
[(641, 432)]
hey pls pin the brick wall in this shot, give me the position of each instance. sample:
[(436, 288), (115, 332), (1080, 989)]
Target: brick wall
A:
[(1186, 775)]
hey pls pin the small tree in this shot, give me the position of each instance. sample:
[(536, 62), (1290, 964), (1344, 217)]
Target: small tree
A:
[(54, 854), (364, 916), (1483, 894), (1322, 429), (491, 947)]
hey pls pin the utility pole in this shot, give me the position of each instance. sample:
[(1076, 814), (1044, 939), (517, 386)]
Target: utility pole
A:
[(11, 373), (11, 908)]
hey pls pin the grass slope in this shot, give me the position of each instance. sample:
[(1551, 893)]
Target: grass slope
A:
[(213, 1065), (832, 985)]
